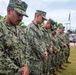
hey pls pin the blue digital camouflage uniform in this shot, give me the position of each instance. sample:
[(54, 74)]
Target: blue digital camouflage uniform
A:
[(36, 48)]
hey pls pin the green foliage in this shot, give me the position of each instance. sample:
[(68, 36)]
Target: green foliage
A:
[(1, 17), (41, 25), (57, 25), (74, 31), (22, 25)]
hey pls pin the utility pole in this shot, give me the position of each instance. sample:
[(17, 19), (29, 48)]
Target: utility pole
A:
[(69, 19), (67, 26)]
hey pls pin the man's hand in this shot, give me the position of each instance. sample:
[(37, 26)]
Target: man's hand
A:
[(58, 50), (65, 45), (45, 54), (51, 50), (25, 70)]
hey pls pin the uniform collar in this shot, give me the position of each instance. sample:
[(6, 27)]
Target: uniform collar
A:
[(35, 24)]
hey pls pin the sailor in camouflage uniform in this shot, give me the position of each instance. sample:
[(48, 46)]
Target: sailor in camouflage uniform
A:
[(37, 49), (62, 44), (67, 42), (12, 40), (48, 62), (56, 50)]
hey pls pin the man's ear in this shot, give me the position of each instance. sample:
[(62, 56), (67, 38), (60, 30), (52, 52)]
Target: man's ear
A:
[(38, 15), (8, 10)]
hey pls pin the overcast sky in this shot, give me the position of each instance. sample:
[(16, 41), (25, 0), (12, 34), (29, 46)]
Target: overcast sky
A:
[(58, 10)]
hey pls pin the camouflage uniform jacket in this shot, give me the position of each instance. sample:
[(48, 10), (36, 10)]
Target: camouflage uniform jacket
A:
[(12, 46), (35, 41), (67, 38), (47, 38), (55, 43), (61, 39), (36, 48)]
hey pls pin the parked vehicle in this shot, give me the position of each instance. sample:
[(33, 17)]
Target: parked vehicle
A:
[(72, 37)]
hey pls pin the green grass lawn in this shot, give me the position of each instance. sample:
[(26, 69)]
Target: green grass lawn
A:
[(71, 68)]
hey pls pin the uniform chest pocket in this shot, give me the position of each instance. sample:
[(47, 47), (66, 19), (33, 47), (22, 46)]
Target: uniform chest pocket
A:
[(22, 38), (10, 39)]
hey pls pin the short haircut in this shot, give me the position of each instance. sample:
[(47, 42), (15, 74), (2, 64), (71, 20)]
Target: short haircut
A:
[(37, 14), (10, 7), (69, 31)]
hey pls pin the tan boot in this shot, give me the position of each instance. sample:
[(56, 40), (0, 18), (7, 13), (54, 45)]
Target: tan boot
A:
[(62, 68), (65, 65), (59, 70), (68, 62), (51, 74)]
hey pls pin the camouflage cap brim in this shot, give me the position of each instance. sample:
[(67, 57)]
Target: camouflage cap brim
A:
[(44, 17), (21, 12), (61, 27)]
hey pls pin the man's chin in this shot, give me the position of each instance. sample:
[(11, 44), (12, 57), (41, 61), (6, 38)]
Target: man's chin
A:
[(17, 23)]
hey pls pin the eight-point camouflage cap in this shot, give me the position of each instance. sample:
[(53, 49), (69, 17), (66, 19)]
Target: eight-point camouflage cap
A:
[(61, 27), (43, 14), (69, 31), (19, 6), (51, 23)]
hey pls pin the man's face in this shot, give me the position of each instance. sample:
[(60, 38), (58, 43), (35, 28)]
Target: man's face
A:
[(48, 25), (61, 30), (40, 19), (14, 17), (53, 33), (68, 33)]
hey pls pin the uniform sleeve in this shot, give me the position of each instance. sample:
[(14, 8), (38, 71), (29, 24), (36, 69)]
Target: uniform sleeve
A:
[(60, 42), (57, 44), (65, 39), (6, 64), (45, 38)]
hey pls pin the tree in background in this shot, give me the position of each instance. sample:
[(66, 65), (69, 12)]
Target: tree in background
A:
[(41, 25), (57, 25), (22, 25), (1, 17), (74, 31)]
